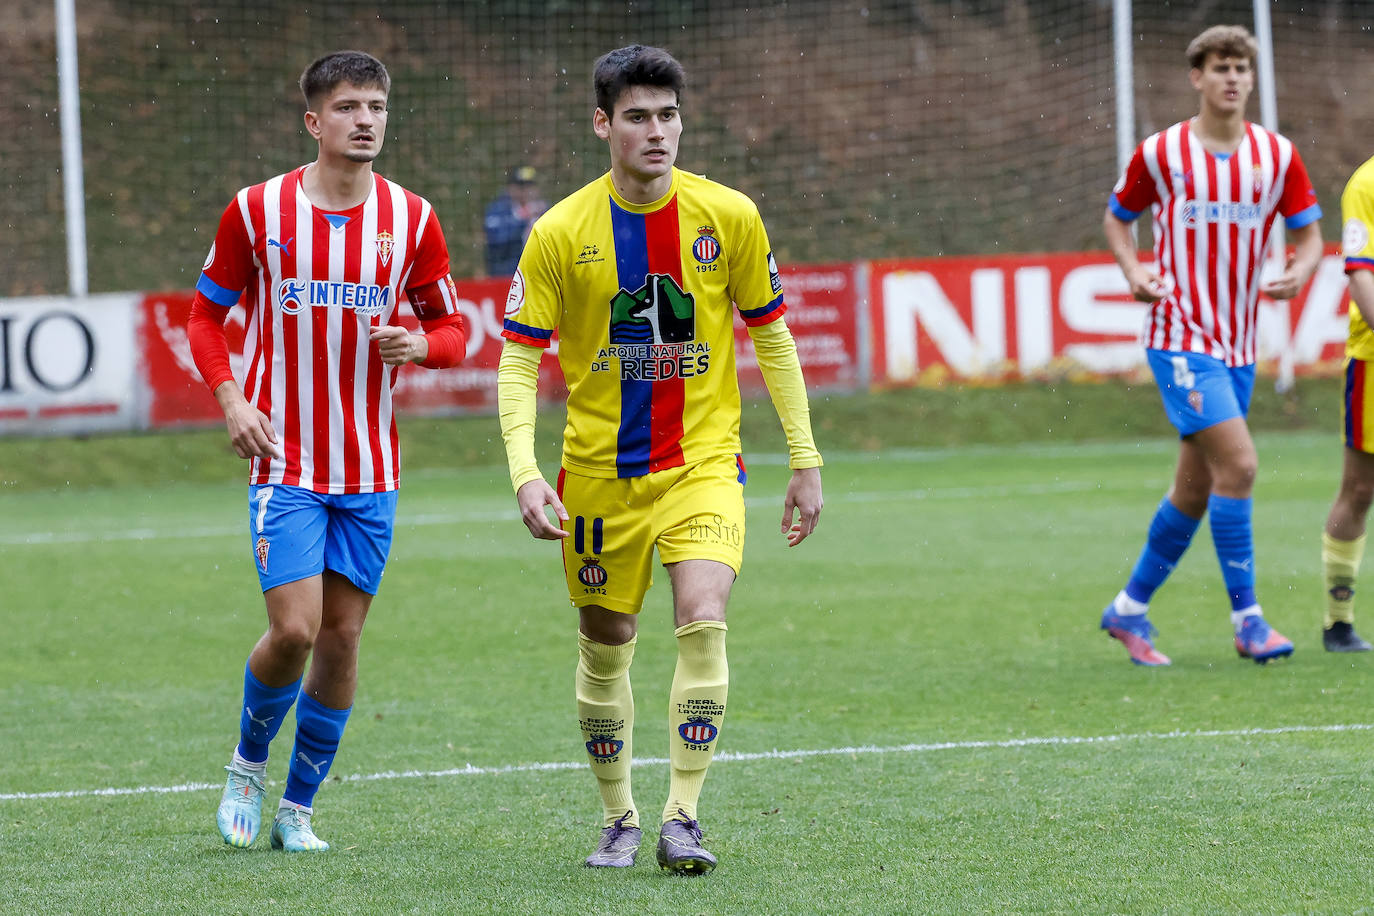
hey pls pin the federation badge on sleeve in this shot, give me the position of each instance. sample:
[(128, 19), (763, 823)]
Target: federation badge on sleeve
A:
[(515, 298), (1354, 237)]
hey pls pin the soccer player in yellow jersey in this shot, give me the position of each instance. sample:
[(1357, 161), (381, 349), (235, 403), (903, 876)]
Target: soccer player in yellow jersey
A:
[(640, 273), (1343, 539)]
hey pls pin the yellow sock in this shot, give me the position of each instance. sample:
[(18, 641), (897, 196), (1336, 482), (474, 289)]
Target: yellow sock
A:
[(606, 712), (1340, 566), (696, 708)]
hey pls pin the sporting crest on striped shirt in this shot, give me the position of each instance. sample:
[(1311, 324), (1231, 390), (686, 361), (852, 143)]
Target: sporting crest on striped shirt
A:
[(385, 243)]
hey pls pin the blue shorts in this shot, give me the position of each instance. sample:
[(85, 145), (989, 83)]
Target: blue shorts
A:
[(1200, 391), (298, 533)]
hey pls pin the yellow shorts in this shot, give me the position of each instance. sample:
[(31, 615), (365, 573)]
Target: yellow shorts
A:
[(689, 513), (1358, 412)]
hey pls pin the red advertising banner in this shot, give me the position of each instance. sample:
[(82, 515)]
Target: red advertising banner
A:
[(822, 305), (177, 395), (1028, 315), (471, 387)]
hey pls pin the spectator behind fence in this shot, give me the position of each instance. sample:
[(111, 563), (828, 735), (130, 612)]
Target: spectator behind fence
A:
[(509, 218)]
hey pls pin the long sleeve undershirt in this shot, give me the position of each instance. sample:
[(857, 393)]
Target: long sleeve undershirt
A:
[(776, 352)]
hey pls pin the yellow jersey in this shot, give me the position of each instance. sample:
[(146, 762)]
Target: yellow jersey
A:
[(642, 297), (1357, 244)]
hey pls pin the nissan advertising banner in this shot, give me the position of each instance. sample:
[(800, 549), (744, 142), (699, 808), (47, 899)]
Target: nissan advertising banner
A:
[(1024, 315)]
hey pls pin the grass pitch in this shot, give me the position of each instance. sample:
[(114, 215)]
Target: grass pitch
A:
[(924, 717)]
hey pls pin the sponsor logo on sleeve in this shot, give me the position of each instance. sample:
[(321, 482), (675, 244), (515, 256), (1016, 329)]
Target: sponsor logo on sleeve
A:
[(773, 276)]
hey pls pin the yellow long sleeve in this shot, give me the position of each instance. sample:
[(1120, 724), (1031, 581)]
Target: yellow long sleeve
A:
[(517, 381), (776, 352)]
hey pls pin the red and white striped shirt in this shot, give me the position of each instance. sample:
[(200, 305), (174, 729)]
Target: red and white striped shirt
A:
[(314, 283), (1213, 217)]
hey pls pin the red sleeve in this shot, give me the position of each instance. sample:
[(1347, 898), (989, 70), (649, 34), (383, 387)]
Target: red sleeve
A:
[(1298, 194), (1135, 191), (230, 264), (431, 255), (448, 342), (209, 348), (436, 305)]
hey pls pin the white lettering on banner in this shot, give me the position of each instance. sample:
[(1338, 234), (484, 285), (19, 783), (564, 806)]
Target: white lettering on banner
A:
[(805, 281), (1092, 300), (1034, 338), (446, 380), (66, 364), (805, 313), (1089, 302), (909, 297)]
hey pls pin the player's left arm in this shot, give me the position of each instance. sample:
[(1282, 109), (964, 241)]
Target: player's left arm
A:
[(756, 289), (434, 299), (1307, 253), (1301, 216), (776, 351)]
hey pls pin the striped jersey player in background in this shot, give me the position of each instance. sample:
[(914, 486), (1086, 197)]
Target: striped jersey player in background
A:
[(320, 257), (1343, 537), (1215, 184), (639, 273)]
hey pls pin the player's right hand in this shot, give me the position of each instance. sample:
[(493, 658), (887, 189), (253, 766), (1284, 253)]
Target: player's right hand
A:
[(251, 432), (1148, 286), (532, 497)]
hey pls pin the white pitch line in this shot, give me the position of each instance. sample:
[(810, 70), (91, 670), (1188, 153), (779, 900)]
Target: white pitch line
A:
[(42, 538), (736, 756)]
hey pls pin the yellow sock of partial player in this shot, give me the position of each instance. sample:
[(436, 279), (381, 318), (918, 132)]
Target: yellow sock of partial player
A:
[(606, 712), (1340, 566), (696, 708)]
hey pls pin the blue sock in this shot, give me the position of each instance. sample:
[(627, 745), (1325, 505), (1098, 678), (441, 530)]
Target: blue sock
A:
[(264, 708), (1170, 533), (1235, 543), (318, 731)]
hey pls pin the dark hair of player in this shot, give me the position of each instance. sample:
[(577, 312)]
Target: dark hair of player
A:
[(635, 65), (355, 67), (1223, 41)]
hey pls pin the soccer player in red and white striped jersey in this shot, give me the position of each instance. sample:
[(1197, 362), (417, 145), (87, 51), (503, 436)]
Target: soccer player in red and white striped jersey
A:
[(1215, 184), (320, 257)]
